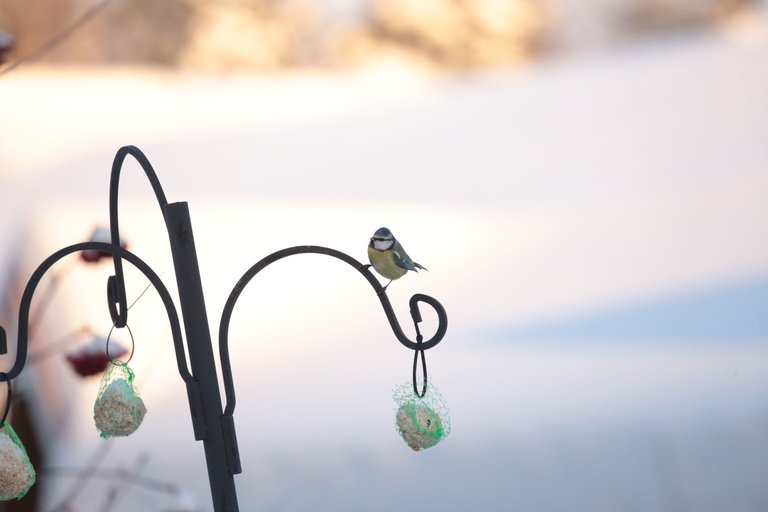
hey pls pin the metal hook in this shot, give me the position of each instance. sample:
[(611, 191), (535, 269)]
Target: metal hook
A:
[(226, 367), (29, 290), (420, 345), (116, 283), (114, 303), (442, 319)]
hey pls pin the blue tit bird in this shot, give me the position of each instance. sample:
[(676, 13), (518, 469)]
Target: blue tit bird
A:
[(388, 257)]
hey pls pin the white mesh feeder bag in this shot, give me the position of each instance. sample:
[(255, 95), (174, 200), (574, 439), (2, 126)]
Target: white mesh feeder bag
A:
[(119, 410), (16, 472)]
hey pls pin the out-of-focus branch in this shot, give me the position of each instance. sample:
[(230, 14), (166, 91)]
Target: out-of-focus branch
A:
[(47, 47)]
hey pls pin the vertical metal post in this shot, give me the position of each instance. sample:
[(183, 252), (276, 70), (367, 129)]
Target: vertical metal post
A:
[(200, 351)]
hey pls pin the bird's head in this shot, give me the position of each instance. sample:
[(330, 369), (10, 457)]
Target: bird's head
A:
[(382, 239)]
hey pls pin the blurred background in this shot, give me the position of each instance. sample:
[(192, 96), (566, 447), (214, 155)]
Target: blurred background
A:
[(584, 179)]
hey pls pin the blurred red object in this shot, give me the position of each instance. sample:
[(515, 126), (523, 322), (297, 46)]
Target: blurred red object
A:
[(92, 358), (103, 235)]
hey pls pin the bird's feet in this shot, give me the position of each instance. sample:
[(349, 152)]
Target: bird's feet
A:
[(384, 290)]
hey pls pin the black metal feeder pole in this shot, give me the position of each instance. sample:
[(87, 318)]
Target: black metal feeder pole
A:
[(211, 424)]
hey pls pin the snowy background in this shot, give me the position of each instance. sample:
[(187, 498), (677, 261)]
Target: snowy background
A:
[(591, 222)]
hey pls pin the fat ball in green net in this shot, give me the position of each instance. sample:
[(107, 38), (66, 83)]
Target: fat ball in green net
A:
[(16, 472), (119, 410), (421, 422)]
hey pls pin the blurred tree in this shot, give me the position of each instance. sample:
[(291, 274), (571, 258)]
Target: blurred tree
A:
[(648, 16), (252, 35), (457, 34), (33, 27), (143, 32), (103, 32), (242, 34), (248, 35)]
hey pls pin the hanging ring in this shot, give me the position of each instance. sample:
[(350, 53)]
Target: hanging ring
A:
[(7, 401), (416, 315), (133, 346), (416, 353)]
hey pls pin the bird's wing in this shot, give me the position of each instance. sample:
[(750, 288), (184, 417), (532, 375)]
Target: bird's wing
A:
[(420, 266), (403, 261)]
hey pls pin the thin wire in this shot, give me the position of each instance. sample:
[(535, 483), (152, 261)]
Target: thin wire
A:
[(133, 346), (133, 343), (142, 293), (52, 347), (51, 44)]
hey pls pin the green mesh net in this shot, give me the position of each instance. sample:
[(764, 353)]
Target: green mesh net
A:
[(421, 422), (118, 410), (16, 472)]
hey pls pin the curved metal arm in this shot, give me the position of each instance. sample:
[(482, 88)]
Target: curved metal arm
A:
[(118, 309), (26, 302), (226, 367)]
